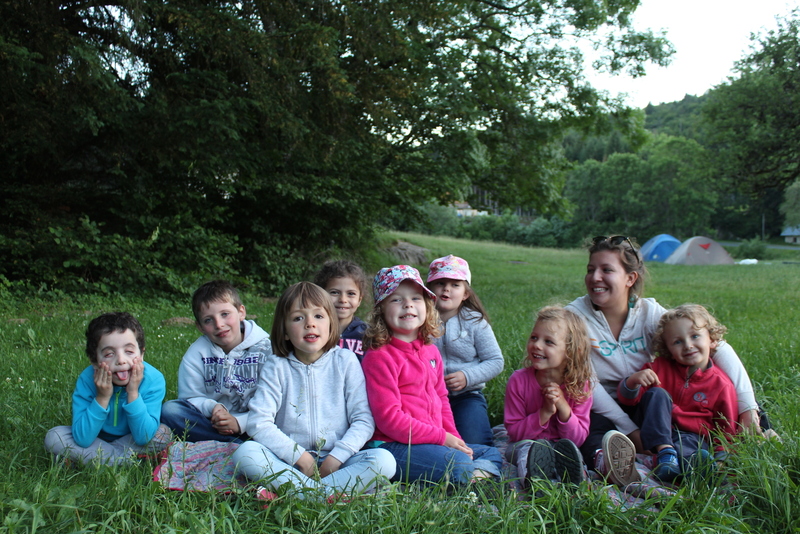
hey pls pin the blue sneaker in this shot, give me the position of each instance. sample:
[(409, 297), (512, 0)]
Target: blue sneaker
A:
[(667, 467), (702, 464)]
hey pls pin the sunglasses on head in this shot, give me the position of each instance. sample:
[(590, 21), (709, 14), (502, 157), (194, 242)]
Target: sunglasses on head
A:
[(615, 240)]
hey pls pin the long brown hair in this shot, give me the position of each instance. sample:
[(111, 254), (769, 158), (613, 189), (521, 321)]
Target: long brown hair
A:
[(629, 256), (309, 295)]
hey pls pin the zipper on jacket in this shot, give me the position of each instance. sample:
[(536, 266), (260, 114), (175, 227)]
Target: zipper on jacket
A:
[(312, 419)]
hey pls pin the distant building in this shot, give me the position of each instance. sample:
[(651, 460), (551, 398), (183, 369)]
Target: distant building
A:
[(465, 210), (791, 234)]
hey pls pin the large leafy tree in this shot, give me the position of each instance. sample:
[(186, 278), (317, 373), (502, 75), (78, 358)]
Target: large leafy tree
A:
[(215, 137), (755, 117), (664, 188)]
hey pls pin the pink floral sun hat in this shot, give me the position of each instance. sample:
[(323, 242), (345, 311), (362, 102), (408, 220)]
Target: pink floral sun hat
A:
[(451, 267), (389, 278)]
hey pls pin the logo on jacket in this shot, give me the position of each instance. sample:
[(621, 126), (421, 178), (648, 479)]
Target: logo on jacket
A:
[(433, 363), (700, 398)]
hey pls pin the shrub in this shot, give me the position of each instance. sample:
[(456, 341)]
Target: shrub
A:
[(752, 248)]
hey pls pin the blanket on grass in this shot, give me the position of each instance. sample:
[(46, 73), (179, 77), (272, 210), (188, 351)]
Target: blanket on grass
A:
[(630, 496), (207, 466), (200, 466)]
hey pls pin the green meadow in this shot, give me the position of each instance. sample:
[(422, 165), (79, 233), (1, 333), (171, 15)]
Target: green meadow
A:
[(42, 343)]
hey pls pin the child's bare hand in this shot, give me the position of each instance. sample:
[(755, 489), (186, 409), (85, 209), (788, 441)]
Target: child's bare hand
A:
[(457, 443), (552, 393), (329, 465), (456, 381), (135, 380), (645, 378), (103, 383), (223, 422), (306, 464)]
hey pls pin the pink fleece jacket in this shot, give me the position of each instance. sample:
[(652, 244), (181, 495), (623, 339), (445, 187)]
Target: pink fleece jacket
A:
[(523, 401), (407, 393)]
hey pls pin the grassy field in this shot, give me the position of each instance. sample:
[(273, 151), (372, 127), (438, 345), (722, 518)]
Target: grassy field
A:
[(42, 343)]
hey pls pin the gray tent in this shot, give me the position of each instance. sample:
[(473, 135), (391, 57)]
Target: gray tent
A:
[(700, 250)]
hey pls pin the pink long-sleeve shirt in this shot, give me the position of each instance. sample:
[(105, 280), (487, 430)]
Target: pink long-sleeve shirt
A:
[(407, 393), (523, 401)]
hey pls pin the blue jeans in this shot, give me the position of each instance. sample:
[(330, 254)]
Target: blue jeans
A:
[(654, 418), (433, 463), (189, 423), (471, 414)]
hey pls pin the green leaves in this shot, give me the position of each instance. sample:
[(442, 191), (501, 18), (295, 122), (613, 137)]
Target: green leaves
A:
[(260, 132)]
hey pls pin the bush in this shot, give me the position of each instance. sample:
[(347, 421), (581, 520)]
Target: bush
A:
[(752, 248)]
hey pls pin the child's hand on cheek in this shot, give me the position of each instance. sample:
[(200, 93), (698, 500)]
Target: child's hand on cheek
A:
[(102, 381), (135, 380)]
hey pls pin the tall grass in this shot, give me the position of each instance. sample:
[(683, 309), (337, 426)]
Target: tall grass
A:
[(42, 344)]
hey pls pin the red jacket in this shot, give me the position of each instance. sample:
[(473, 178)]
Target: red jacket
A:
[(407, 393), (704, 402)]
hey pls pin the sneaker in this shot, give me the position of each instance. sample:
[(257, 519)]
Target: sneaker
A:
[(569, 461), (619, 457), (667, 467), (702, 464), (263, 494), (338, 498), (541, 460)]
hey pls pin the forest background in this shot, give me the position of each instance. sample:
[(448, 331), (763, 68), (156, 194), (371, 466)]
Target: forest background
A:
[(148, 146)]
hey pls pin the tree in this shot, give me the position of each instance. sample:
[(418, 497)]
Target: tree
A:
[(754, 118), (665, 188), (790, 209), (207, 137)]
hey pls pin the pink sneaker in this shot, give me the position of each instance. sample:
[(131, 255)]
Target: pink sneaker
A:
[(263, 494), (338, 498)]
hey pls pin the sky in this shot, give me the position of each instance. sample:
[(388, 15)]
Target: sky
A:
[(708, 36)]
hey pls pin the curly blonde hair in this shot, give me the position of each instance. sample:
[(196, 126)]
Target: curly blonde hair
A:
[(700, 317), (378, 334), (577, 367)]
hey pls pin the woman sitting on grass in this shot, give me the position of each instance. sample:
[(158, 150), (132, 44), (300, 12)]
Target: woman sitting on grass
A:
[(621, 326)]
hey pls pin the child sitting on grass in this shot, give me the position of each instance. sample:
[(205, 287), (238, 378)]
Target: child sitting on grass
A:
[(346, 283), (468, 347), (218, 374), (685, 398), (548, 402), (310, 417), (117, 399), (406, 387)]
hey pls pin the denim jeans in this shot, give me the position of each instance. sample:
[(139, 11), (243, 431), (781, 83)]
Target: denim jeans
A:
[(471, 414), (654, 418), (189, 423), (434, 463), (358, 473)]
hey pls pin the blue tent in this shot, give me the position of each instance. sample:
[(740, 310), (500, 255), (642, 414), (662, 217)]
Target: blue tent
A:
[(659, 247)]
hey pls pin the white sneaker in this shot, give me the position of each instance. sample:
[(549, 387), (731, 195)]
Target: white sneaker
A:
[(619, 458)]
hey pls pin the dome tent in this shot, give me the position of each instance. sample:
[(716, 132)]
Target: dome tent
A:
[(700, 250), (659, 248)]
